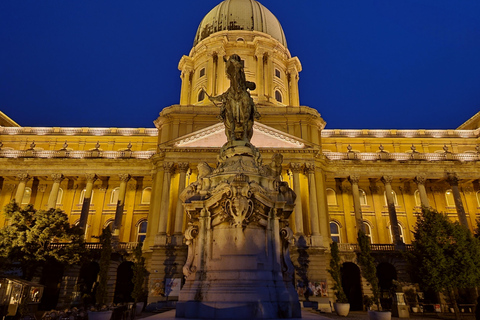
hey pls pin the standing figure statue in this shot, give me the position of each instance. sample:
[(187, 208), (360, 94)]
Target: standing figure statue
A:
[(237, 110)]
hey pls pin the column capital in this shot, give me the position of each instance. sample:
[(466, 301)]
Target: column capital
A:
[(90, 177), (387, 179), (353, 179), (452, 179), (57, 177), (310, 168), (23, 177), (420, 179), (295, 167), (183, 166), (124, 177), (168, 167)]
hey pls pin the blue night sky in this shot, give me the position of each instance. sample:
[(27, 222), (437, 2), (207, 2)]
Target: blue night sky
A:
[(392, 64)]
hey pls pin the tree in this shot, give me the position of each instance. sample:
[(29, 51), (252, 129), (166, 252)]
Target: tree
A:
[(139, 273), (446, 255), (367, 265), (32, 235), (335, 272), (105, 257)]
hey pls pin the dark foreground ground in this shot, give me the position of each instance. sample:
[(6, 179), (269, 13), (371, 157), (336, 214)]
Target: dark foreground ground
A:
[(308, 314)]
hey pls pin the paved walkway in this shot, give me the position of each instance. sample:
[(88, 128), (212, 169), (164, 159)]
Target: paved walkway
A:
[(308, 314)]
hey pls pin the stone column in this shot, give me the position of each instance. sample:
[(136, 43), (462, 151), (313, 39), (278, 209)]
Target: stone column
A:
[(356, 202), (268, 76), (182, 168), (260, 76), (120, 203), (22, 178), (298, 212), (87, 199), (220, 75), (186, 85), (52, 198), (162, 221), (293, 84), (420, 181), (322, 206), (453, 181), (387, 181), (154, 211), (316, 237)]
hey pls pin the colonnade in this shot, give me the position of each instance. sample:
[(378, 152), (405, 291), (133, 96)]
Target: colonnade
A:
[(420, 181), (89, 179)]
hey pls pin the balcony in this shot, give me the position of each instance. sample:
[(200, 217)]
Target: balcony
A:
[(376, 247)]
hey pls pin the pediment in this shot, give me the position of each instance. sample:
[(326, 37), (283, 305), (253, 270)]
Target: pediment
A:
[(263, 137)]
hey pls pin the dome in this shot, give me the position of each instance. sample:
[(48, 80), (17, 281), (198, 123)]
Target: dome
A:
[(240, 15)]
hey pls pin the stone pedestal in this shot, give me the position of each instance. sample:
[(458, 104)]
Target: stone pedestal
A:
[(238, 263)]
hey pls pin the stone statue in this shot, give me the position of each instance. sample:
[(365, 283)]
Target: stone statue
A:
[(237, 110)]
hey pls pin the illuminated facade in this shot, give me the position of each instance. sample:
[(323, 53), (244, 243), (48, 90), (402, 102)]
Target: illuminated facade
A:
[(131, 177)]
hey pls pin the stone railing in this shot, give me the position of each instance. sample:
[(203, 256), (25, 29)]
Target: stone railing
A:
[(41, 131), (373, 156), (128, 246), (45, 154), (349, 133), (377, 247)]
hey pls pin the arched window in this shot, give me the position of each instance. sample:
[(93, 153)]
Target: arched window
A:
[(335, 231), (146, 194), (418, 201), (201, 95), (114, 195), (27, 194), (60, 196), (400, 229), (278, 96), (478, 198), (449, 198), (395, 201), (109, 224), (331, 197), (363, 197), (368, 231), (82, 196), (141, 230)]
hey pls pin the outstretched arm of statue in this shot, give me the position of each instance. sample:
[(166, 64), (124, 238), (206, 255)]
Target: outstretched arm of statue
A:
[(215, 99)]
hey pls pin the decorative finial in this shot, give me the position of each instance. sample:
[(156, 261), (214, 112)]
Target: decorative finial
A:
[(97, 146), (414, 149), (477, 147), (445, 148), (32, 145), (1, 145), (381, 148), (65, 145), (349, 148), (129, 146)]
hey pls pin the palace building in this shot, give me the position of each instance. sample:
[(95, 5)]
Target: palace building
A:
[(130, 179)]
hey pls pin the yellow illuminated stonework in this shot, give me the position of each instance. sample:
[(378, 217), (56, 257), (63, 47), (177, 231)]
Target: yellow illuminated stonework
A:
[(341, 177)]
